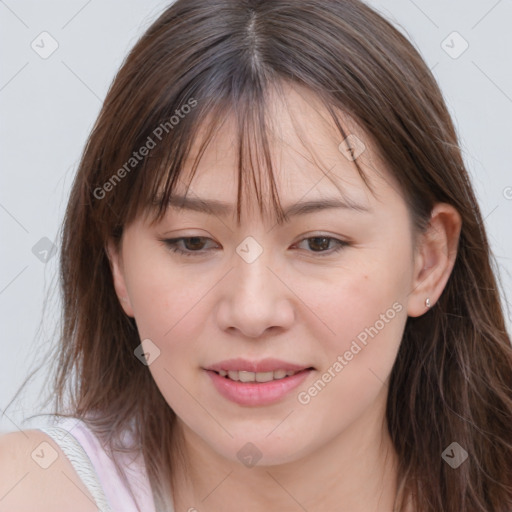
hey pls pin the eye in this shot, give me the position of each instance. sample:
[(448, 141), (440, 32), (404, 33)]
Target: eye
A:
[(194, 245), (321, 243)]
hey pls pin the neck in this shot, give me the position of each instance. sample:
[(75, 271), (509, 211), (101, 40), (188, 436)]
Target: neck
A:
[(353, 472)]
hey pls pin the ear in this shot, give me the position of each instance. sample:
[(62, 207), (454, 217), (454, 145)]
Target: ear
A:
[(116, 266), (434, 258)]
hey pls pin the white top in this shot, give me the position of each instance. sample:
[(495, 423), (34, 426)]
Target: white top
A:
[(97, 471)]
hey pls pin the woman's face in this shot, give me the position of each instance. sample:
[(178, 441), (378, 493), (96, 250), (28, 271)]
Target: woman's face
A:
[(326, 293)]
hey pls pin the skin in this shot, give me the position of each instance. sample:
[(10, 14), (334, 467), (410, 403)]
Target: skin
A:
[(292, 303)]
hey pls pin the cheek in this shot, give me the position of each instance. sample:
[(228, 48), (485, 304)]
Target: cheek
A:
[(169, 308), (365, 312), (368, 321), (164, 297), (171, 305), (359, 298)]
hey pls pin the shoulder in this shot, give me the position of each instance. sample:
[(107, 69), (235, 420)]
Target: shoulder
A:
[(36, 475)]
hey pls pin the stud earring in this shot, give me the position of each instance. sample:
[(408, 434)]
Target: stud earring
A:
[(427, 302)]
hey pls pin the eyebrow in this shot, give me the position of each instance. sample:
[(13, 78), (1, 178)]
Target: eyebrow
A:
[(220, 208)]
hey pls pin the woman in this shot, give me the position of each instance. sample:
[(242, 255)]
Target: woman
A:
[(339, 344)]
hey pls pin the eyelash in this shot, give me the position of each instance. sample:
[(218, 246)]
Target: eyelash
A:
[(172, 243)]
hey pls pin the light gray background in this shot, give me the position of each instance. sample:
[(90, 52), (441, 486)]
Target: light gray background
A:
[(48, 106)]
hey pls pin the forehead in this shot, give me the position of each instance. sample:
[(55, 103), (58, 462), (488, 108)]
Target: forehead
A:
[(309, 158)]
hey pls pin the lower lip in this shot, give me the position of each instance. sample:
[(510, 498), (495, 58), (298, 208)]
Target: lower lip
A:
[(256, 393)]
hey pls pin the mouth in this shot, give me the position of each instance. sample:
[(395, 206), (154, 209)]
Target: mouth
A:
[(270, 382), (260, 377)]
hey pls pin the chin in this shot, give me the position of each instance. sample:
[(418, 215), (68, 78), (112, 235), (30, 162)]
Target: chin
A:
[(259, 449)]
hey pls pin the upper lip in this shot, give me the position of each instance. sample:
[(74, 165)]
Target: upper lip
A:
[(263, 365)]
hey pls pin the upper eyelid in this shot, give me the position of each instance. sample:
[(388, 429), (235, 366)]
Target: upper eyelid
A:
[(314, 235), (340, 241)]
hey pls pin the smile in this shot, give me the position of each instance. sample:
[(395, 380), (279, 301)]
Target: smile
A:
[(245, 376), (256, 388)]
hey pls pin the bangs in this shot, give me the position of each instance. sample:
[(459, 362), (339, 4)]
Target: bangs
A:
[(174, 162)]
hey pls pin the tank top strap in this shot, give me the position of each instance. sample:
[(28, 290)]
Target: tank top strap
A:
[(81, 463), (97, 470)]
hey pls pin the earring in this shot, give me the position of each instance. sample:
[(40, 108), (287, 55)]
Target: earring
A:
[(427, 302)]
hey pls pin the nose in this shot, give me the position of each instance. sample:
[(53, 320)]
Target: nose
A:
[(255, 299)]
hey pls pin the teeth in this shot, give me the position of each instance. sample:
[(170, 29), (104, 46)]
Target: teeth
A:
[(233, 375), (263, 376), (279, 374), (244, 376)]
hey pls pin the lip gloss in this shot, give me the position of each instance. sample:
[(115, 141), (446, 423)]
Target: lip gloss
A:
[(256, 393)]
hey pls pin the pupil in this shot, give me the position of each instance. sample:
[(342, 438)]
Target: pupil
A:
[(324, 245), (193, 241)]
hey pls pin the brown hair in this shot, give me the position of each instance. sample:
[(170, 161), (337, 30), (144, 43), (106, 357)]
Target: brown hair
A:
[(452, 379)]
